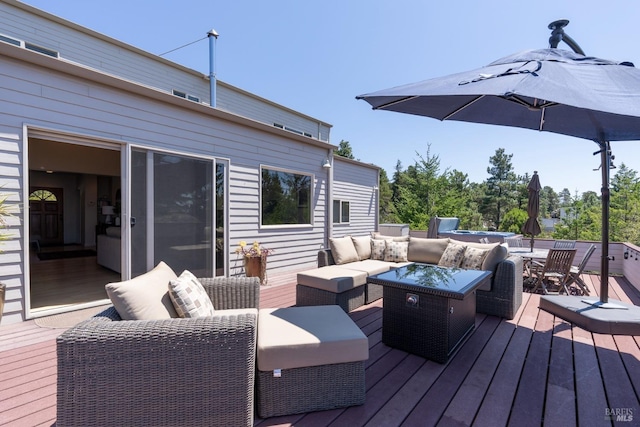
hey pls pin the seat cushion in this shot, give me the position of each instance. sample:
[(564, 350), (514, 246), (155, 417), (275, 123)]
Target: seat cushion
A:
[(189, 297), (343, 250), (369, 266), (145, 297), (333, 278), (296, 337)]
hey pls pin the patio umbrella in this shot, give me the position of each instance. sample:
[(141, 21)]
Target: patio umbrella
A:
[(551, 90), (531, 226)]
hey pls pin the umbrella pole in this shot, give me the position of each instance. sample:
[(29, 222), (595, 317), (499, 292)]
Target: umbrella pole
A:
[(605, 155)]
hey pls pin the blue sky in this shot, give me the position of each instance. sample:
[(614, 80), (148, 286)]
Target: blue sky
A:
[(317, 56)]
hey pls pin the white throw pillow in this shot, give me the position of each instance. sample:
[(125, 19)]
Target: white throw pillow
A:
[(189, 297), (452, 256), (363, 246), (395, 251), (145, 297), (473, 258), (377, 249)]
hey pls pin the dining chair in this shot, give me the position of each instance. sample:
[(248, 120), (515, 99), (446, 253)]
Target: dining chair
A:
[(514, 242), (564, 244), (556, 268), (576, 271)]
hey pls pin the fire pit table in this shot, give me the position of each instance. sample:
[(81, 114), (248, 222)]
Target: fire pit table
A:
[(428, 310)]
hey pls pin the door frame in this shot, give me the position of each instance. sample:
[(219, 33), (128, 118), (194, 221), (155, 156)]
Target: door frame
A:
[(125, 213), (54, 135)]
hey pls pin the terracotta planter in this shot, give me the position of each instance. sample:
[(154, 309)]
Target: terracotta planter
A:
[(256, 267)]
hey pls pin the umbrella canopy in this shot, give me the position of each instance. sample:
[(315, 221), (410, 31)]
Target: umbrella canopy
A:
[(531, 226), (550, 90)]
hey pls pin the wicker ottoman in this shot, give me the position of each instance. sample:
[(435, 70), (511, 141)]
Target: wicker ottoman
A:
[(309, 359), (331, 285)]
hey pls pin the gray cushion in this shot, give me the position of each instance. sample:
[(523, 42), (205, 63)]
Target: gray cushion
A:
[(333, 278), (377, 235), (297, 337), (427, 251), (370, 266), (145, 297), (343, 250), (363, 246)]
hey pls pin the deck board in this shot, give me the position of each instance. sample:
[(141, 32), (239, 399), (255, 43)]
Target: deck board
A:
[(533, 370)]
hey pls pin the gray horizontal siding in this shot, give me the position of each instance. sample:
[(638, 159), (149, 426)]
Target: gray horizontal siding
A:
[(110, 56), (48, 99), (355, 183)]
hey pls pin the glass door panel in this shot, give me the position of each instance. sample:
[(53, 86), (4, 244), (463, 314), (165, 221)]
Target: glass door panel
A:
[(172, 209)]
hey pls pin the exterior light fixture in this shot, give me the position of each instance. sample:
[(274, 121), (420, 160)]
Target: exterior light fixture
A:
[(326, 164), (626, 254)]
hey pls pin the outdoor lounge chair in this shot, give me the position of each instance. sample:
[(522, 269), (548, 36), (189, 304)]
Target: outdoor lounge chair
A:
[(190, 372), (576, 271)]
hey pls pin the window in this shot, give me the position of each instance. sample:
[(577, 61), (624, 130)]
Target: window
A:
[(43, 195), (285, 197), (340, 212), (185, 95), (290, 129)]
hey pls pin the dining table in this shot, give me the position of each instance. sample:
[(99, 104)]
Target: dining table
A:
[(528, 256)]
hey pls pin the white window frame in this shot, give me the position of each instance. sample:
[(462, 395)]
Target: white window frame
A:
[(311, 192), (341, 203)]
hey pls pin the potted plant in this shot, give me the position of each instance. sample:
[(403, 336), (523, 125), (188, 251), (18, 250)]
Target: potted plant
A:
[(255, 260)]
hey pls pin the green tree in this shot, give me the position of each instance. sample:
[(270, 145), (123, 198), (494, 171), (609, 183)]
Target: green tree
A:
[(624, 215), (344, 150), (387, 208), (501, 187), (549, 203), (514, 220)]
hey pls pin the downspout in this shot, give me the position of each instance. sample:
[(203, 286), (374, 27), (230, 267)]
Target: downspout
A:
[(213, 36), (329, 197)]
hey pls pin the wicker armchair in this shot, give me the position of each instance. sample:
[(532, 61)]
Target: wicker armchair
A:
[(163, 372)]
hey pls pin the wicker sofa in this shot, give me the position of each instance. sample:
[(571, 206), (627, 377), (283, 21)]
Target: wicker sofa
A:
[(502, 298), (197, 371)]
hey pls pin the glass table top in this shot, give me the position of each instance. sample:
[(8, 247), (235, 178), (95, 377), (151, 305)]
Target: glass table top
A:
[(454, 280)]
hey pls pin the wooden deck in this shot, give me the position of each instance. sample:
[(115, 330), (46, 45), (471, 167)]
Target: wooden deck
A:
[(533, 370)]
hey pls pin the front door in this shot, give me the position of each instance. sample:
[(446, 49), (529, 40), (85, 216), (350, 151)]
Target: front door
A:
[(45, 216)]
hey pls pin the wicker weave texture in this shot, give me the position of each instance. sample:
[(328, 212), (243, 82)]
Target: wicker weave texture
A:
[(372, 292), (428, 329), (348, 300), (169, 372), (313, 388), (505, 296)]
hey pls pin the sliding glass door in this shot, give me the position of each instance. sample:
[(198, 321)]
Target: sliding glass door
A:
[(175, 203)]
